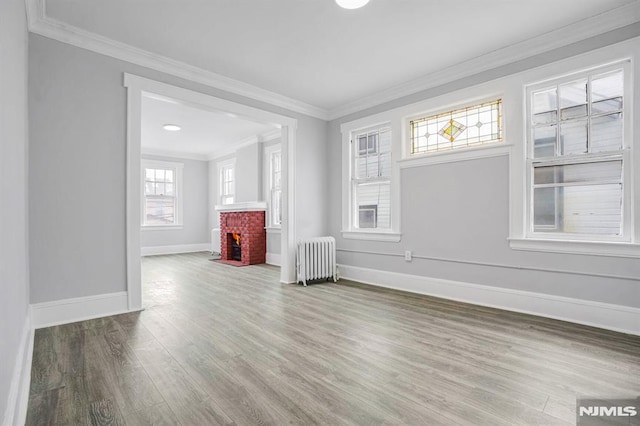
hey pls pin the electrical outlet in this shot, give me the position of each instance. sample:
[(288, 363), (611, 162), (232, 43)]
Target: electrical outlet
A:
[(407, 255)]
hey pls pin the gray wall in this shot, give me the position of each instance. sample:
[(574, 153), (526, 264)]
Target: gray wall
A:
[(457, 215), (77, 168), (195, 199), (14, 280), (249, 173)]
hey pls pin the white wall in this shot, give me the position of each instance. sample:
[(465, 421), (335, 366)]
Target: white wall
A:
[(195, 211), (456, 215), (77, 168), (14, 281)]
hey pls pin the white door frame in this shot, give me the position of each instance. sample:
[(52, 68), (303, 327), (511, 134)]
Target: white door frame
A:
[(137, 87)]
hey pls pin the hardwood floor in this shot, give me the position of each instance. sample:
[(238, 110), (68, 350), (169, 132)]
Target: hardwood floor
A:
[(224, 345)]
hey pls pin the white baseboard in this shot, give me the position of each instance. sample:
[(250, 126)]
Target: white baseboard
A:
[(78, 309), (273, 259), (16, 412), (619, 318), (175, 249)]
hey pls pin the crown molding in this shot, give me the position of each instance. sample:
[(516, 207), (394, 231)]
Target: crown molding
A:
[(48, 27), (174, 154), (590, 27), (234, 147), (270, 135), (51, 28)]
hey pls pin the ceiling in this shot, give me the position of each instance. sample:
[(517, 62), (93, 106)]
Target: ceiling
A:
[(203, 135), (317, 53)]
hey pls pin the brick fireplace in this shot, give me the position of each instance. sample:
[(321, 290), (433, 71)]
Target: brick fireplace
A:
[(243, 239)]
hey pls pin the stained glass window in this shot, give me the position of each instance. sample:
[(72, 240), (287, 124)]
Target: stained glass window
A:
[(462, 128)]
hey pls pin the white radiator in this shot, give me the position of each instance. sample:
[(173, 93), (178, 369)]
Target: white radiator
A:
[(317, 259)]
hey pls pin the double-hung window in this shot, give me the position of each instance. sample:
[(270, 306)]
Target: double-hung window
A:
[(161, 188), (578, 157), (275, 188), (371, 179), (227, 182)]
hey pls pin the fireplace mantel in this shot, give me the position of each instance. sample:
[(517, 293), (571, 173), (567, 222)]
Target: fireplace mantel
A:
[(250, 206)]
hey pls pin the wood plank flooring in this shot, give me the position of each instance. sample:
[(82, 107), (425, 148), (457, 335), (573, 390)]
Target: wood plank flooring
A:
[(218, 344)]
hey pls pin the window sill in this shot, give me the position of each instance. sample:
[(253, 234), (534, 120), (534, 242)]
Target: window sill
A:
[(372, 236), (273, 230), (591, 248), (161, 227), (454, 155)]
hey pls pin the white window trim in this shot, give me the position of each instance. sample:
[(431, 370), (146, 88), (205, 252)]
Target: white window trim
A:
[(398, 119), (348, 229), (223, 165), (179, 168), (519, 238), (451, 102), (453, 156), (623, 155), (266, 179)]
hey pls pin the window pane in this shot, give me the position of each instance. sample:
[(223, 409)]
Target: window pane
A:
[(385, 164), (581, 209), (544, 209), (277, 180), (372, 145), (276, 207), (362, 145), (379, 195), (169, 189), (544, 141), (606, 133), (544, 102), (276, 162), (606, 92), (159, 175), (573, 99), (466, 127), (384, 139), (588, 172), (160, 190), (168, 176), (368, 216), (573, 137), (160, 211), (149, 174), (149, 188)]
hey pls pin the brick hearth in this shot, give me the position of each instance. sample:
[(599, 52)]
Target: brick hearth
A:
[(253, 237)]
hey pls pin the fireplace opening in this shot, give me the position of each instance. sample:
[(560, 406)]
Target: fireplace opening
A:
[(236, 247)]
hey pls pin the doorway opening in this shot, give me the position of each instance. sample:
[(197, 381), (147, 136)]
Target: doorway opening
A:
[(165, 209)]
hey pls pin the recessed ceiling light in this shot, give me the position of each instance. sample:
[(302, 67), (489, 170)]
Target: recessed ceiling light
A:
[(351, 4), (171, 127)]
